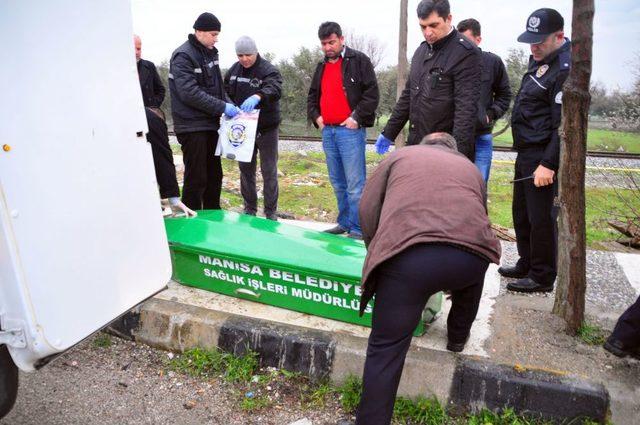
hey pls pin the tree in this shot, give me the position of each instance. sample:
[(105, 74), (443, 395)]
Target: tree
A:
[(163, 71), (516, 63), (572, 254), (297, 73), (403, 64), (370, 46), (387, 79)]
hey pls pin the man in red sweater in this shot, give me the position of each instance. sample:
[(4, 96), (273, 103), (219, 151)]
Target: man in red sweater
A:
[(342, 101)]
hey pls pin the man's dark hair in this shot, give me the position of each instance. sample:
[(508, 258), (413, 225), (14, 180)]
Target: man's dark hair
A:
[(328, 28), (470, 24), (427, 7), (442, 139)]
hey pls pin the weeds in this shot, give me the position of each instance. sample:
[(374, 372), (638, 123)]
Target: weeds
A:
[(208, 363), (102, 340), (591, 334)]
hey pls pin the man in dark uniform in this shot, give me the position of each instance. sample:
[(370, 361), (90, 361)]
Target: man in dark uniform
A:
[(152, 96), (443, 87), (197, 102), (254, 82), (535, 121), (625, 339), (495, 95)]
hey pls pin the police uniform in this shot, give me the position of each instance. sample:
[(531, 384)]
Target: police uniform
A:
[(535, 121)]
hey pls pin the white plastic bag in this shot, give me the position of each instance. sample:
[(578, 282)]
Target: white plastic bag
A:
[(237, 136)]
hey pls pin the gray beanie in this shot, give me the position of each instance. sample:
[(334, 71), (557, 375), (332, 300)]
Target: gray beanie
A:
[(246, 46)]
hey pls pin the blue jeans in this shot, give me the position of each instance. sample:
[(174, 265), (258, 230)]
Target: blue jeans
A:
[(344, 149), (484, 152)]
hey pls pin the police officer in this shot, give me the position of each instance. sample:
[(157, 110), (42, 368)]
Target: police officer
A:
[(443, 87), (198, 100), (253, 82), (625, 339), (535, 121)]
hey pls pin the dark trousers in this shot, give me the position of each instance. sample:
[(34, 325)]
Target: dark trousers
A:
[(162, 156), (627, 329), (202, 170), (267, 145), (404, 284), (534, 220)]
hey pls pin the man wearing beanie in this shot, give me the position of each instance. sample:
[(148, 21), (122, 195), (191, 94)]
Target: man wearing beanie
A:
[(252, 83), (535, 121), (197, 102), (342, 102)]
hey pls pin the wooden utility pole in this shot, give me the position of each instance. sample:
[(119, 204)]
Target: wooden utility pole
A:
[(403, 64), (570, 293)]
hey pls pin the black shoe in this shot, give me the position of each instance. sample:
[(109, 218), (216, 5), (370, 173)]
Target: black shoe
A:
[(513, 272), (457, 347), (528, 285), (253, 213), (617, 348), (272, 217), (356, 236), (338, 230)]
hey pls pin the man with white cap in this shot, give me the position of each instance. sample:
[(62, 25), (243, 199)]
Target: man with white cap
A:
[(535, 121), (252, 83)]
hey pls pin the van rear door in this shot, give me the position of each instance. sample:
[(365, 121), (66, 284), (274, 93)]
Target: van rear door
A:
[(81, 232)]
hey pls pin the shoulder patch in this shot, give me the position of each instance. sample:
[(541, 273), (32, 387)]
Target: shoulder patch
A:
[(565, 59), (466, 43), (559, 98)]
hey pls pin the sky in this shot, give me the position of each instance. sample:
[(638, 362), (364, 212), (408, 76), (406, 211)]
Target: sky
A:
[(282, 27)]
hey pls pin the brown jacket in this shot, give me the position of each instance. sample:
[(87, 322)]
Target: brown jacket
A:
[(423, 194)]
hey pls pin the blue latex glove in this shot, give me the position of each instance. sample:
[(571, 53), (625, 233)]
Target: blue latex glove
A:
[(382, 145), (250, 103), (231, 110)]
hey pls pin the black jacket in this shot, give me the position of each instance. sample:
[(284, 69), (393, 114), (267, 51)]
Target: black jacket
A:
[(538, 107), (360, 84), (261, 78), (150, 83), (197, 92), (441, 94), (495, 93)]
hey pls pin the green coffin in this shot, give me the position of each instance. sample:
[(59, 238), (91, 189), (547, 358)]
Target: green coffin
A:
[(270, 262)]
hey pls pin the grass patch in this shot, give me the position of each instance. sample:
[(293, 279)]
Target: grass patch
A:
[(592, 334), (597, 139), (252, 404), (203, 363), (350, 392), (427, 411), (601, 203), (102, 340)]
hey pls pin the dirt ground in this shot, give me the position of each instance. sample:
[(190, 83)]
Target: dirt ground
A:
[(129, 383), (534, 338)]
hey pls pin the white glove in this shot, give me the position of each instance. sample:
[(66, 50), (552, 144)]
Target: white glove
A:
[(178, 208)]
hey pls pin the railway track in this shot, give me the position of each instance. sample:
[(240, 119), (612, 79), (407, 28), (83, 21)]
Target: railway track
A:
[(600, 154), (593, 154)]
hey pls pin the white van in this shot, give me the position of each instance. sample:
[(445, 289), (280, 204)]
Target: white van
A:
[(81, 233)]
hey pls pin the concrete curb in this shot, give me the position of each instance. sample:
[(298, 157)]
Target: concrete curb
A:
[(465, 383)]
